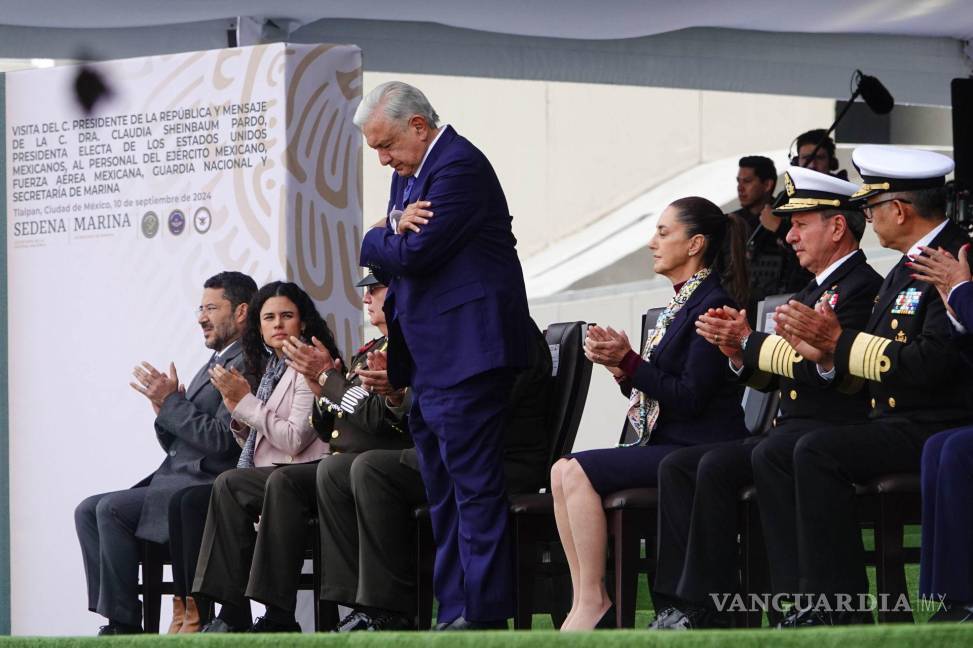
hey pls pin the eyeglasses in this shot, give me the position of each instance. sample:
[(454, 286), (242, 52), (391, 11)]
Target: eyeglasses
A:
[(209, 309), (867, 209)]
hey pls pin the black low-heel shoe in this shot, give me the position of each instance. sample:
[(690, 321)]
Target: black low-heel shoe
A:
[(607, 620)]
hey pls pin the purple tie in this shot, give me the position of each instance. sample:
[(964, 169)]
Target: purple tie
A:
[(407, 191)]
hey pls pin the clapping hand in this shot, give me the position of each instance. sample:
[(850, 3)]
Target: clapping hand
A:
[(230, 383), (155, 385), (726, 328), (939, 268), (606, 346), (813, 332), (309, 360), (376, 378)]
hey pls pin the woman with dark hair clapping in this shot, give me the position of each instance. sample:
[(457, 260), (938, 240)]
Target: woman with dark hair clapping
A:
[(273, 427), (680, 391)]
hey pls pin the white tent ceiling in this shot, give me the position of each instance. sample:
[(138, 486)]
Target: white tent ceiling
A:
[(797, 47), (581, 19)]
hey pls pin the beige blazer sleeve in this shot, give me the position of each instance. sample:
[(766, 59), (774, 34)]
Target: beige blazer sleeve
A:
[(284, 421)]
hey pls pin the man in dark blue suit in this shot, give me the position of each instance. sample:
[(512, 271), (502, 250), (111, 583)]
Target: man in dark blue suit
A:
[(946, 565), (458, 331)]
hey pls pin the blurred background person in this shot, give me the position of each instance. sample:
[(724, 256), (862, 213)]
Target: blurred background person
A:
[(773, 267), (823, 159)]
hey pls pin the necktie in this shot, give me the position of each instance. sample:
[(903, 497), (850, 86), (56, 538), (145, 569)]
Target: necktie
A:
[(407, 191), (807, 290), (895, 275)]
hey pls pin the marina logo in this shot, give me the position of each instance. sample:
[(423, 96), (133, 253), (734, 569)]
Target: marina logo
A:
[(202, 220), (177, 222), (150, 225)]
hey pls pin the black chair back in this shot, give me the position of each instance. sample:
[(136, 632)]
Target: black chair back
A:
[(760, 408), (648, 322), (572, 376)]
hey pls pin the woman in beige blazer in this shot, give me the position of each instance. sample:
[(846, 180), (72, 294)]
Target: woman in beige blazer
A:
[(273, 428)]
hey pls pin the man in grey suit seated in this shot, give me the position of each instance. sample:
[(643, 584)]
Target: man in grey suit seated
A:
[(193, 427)]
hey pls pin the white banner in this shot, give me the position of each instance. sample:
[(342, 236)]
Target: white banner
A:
[(242, 159)]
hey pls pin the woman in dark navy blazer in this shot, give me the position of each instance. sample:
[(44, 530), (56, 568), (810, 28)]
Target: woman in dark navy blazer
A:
[(681, 391)]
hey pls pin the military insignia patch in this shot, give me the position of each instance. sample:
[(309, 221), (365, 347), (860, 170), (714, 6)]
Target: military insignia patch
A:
[(788, 184), (830, 296), (907, 302), (900, 337)]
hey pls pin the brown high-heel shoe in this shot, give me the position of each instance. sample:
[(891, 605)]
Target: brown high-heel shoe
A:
[(178, 614), (192, 622)]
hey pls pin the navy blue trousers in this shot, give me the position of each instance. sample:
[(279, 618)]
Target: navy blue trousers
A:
[(946, 567), (458, 432)]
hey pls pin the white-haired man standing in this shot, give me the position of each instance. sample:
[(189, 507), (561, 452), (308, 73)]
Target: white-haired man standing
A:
[(458, 332)]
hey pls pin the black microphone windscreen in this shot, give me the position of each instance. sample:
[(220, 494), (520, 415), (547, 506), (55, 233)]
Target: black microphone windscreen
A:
[(875, 95)]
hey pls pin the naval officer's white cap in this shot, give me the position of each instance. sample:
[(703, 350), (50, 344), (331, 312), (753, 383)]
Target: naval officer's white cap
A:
[(893, 168), (808, 190)]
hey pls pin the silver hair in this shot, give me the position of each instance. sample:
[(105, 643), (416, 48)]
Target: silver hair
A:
[(399, 102)]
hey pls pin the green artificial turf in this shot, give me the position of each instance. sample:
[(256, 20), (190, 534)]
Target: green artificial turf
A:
[(921, 634), (883, 636)]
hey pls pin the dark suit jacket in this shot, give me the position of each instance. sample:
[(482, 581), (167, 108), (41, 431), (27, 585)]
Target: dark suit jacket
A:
[(194, 430), (457, 285), (851, 291), (698, 396), (907, 351)]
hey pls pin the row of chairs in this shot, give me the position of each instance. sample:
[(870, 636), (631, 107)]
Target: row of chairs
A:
[(887, 505)]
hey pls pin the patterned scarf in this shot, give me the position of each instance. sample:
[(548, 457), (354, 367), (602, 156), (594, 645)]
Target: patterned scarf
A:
[(643, 410), (272, 374)]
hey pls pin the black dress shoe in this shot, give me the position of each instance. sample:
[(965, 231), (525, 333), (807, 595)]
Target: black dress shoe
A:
[(219, 625), (812, 618), (263, 624), (662, 618), (462, 624), (698, 618), (391, 622), (355, 621), (116, 628), (692, 617)]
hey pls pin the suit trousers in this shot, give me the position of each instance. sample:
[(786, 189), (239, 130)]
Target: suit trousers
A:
[(946, 567), (106, 526), (699, 505), (367, 523), (289, 503), (187, 519), (458, 432), (812, 482), (229, 537)]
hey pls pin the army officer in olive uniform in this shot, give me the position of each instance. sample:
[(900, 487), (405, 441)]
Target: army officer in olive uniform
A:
[(915, 382), (351, 420), (699, 486)]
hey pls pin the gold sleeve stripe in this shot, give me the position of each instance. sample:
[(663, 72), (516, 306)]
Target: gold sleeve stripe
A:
[(777, 357), (867, 358)]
